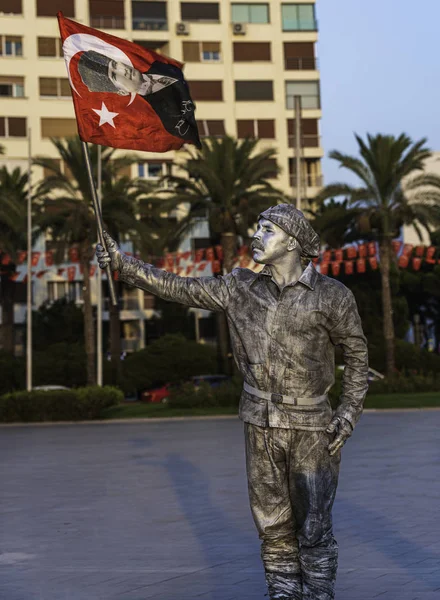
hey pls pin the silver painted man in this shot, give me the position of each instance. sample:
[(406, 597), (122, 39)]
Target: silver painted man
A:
[(284, 324)]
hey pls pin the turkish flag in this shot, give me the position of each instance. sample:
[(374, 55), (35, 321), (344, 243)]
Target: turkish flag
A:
[(124, 95)]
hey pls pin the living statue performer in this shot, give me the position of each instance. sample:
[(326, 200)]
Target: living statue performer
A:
[(284, 324)]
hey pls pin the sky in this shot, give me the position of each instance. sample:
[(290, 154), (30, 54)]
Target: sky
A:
[(380, 73)]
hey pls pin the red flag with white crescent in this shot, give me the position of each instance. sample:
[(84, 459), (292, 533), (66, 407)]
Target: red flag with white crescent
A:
[(124, 95)]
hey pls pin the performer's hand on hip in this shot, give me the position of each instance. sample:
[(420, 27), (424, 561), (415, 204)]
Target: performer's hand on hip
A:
[(113, 257), (343, 430)]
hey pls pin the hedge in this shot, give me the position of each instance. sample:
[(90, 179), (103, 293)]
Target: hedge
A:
[(58, 405)]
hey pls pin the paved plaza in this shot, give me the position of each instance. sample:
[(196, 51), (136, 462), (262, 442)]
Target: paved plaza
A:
[(145, 510)]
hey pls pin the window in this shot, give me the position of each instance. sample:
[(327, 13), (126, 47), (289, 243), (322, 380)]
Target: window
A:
[(250, 13), (11, 45), (199, 11), (153, 169), (151, 16), (13, 127), (58, 127), (49, 8), (211, 128), (311, 175), (251, 51), (11, 7), (253, 90), (12, 87), (298, 17), (308, 90), (50, 46), (309, 133), (206, 90), (256, 128), (107, 14), (57, 87), (299, 55), (201, 51)]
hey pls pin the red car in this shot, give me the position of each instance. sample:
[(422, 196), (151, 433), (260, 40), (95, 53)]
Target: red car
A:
[(160, 394)]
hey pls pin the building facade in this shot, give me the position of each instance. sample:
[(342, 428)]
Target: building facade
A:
[(244, 62)]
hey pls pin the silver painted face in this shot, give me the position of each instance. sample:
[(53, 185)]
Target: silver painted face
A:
[(269, 243)]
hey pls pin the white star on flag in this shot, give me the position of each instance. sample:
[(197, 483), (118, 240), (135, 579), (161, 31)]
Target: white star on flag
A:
[(105, 115)]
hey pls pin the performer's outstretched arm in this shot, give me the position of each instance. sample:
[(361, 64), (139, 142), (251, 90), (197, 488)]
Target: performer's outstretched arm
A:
[(211, 293)]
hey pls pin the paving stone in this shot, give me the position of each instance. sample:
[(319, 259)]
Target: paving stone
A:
[(159, 510)]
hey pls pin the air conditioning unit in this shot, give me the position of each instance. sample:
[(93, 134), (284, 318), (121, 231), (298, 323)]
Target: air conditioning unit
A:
[(238, 28), (182, 28)]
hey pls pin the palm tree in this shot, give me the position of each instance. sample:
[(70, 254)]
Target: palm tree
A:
[(66, 212), (228, 182), (13, 193), (392, 193), (335, 222)]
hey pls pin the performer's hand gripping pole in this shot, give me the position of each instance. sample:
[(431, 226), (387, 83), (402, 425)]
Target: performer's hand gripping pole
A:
[(98, 214)]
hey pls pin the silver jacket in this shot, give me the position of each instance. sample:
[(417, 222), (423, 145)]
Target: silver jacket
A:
[(283, 342)]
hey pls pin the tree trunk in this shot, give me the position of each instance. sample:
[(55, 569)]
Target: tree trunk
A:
[(115, 338), (89, 328), (387, 307), (229, 245), (7, 303)]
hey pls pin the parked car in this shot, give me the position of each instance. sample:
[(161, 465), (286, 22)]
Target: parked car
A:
[(50, 388), (161, 394)]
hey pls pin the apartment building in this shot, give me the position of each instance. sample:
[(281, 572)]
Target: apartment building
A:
[(245, 63)]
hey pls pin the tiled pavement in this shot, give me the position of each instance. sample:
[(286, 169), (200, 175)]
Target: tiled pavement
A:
[(159, 510)]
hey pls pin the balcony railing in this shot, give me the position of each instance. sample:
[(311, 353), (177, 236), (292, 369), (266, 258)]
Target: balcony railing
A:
[(104, 22), (142, 23), (130, 344), (307, 141), (303, 25), (308, 102), (296, 63), (309, 180)]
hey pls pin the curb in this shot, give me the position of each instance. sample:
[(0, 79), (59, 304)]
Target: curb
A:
[(192, 418)]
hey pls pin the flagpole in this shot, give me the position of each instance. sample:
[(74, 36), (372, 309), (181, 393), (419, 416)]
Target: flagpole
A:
[(99, 289), (97, 210), (29, 273)]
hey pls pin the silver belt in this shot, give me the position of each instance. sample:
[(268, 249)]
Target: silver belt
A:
[(280, 399)]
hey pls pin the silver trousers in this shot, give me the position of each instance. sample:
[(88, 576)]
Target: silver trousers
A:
[(292, 481)]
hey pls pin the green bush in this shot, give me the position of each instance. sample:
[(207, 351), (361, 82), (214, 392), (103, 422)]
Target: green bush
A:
[(407, 384), (13, 372), (408, 358), (169, 359), (187, 396), (57, 405)]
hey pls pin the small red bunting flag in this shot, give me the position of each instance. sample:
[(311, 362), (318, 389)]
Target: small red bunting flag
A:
[(327, 256), (420, 250), (41, 273), (21, 256), (324, 268), (210, 254), (403, 261), (202, 266), (92, 270), (430, 255), (373, 262), (407, 249), (199, 254), (35, 258), (351, 252), (361, 265), (6, 259), (336, 267), (73, 255), (216, 266), (362, 250), (416, 263), (219, 252), (71, 272), (339, 254), (371, 248), (348, 267)]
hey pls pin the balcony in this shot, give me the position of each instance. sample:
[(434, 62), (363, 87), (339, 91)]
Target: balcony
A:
[(147, 24), (130, 344), (105, 22), (310, 180), (307, 141), (308, 102), (296, 63)]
